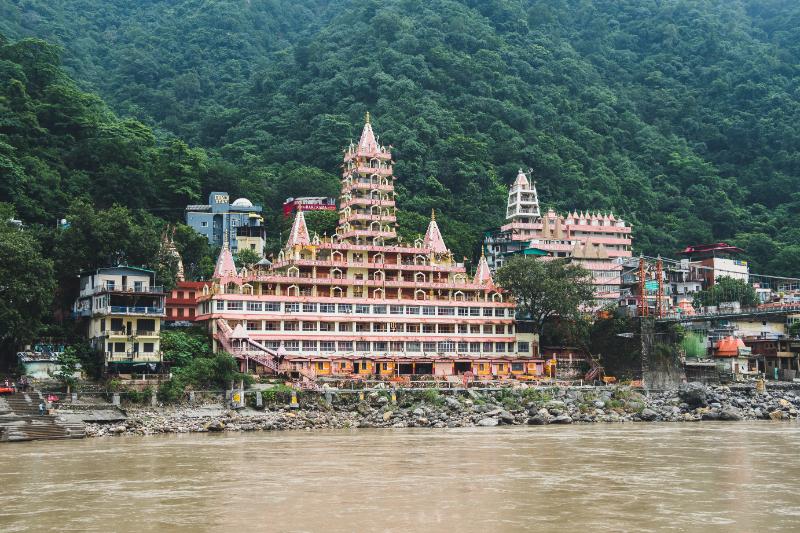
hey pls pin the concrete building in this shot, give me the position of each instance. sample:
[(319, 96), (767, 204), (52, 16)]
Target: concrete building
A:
[(308, 203), (595, 241), (717, 260), (362, 303), (182, 301), (238, 224), (122, 310)]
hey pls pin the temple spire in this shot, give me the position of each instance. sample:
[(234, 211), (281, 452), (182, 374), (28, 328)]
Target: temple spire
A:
[(483, 276), (299, 234), (433, 237), (225, 266), (367, 144)]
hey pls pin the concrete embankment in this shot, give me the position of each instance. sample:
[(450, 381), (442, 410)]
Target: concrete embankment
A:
[(690, 403)]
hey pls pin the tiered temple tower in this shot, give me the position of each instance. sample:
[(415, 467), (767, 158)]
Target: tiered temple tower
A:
[(361, 302)]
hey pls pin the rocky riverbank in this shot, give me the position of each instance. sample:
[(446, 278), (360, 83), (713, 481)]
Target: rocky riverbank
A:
[(691, 403)]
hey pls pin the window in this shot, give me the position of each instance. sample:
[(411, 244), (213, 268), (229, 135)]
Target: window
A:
[(487, 311), (326, 326), (429, 310), (272, 307), (447, 328), (119, 347), (309, 307), (396, 309), (463, 311), (309, 326), (429, 346), (447, 311), (219, 305), (517, 367), (474, 311), (475, 347), (327, 308), (327, 346), (344, 346), (412, 346), (362, 309), (116, 324), (412, 328), (252, 325), (379, 309), (345, 326), (272, 326), (310, 345), (379, 327), (292, 308), (499, 311), (362, 326), (362, 346), (488, 347), (380, 346), (396, 346), (103, 324), (254, 306), (148, 347), (523, 347), (291, 326), (463, 347), (474, 328), (463, 328), (235, 305), (204, 224), (428, 328), (345, 308), (500, 347), (292, 346), (447, 346)]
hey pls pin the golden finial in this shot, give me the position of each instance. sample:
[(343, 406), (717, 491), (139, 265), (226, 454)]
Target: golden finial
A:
[(367, 118), (433, 214)]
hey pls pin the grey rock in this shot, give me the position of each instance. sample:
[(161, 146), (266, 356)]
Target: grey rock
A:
[(563, 419), (648, 415), (730, 413), (506, 417), (694, 394), (452, 403), (382, 400), (419, 411), (487, 422)]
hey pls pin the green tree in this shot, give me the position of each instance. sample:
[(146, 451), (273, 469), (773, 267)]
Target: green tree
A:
[(247, 258), (727, 289), (543, 290), (26, 291), (68, 365)]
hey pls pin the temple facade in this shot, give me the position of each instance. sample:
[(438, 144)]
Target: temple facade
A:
[(595, 241), (362, 301)]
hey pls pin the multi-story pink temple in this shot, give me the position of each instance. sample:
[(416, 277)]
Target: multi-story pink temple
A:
[(362, 302), (595, 241)]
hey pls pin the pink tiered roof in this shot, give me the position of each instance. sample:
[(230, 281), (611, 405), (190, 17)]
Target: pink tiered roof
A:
[(225, 266), (299, 234)]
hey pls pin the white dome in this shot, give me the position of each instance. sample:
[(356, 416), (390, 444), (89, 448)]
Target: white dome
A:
[(242, 202)]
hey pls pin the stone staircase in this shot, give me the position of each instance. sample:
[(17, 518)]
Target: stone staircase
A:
[(20, 420)]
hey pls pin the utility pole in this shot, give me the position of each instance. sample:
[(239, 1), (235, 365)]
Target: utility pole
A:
[(660, 292), (642, 289)]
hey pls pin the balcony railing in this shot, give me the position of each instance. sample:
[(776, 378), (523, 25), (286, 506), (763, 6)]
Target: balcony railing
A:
[(116, 287), (123, 310)]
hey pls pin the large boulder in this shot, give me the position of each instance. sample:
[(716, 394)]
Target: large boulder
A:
[(563, 419), (694, 394), (648, 415), (216, 425), (730, 413), (487, 422), (539, 420)]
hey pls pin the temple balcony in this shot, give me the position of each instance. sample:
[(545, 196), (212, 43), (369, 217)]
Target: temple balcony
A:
[(367, 218), (367, 201), (370, 234), (366, 185), (368, 171)]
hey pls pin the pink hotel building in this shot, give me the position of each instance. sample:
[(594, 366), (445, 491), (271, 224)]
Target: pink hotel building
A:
[(362, 302)]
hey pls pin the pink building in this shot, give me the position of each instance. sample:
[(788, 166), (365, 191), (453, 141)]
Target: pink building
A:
[(361, 302), (594, 240)]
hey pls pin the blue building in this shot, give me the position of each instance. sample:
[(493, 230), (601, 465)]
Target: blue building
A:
[(239, 222)]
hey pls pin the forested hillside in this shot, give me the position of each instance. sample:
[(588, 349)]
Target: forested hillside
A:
[(680, 115)]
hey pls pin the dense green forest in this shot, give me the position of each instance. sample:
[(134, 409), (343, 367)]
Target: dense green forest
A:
[(680, 115)]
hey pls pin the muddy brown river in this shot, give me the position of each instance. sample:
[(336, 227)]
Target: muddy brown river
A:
[(634, 477)]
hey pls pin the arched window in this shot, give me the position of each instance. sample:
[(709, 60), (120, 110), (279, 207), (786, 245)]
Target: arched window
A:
[(459, 296), (419, 277), (377, 275), (419, 294), (337, 256), (377, 294), (293, 290), (293, 272), (378, 258), (336, 292), (497, 297), (336, 273)]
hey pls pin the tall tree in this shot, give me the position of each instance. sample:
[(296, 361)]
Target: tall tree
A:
[(546, 289)]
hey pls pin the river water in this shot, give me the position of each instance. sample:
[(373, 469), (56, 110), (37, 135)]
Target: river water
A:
[(632, 477)]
